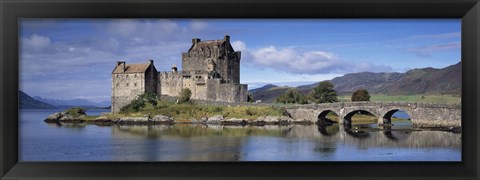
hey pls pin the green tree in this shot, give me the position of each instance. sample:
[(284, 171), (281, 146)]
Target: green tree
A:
[(324, 93), (140, 102), (292, 96), (185, 95), (150, 97), (361, 95), (250, 98)]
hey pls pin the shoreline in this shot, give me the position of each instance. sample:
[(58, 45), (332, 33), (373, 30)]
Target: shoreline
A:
[(165, 120), (219, 121)]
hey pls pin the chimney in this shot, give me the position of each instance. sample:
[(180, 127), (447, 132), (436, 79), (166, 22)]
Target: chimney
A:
[(226, 38), (195, 40), (150, 61), (122, 65)]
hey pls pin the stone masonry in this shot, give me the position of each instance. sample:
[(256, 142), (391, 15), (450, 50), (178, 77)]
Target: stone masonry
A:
[(131, 80), (211, 70), (422, 115)]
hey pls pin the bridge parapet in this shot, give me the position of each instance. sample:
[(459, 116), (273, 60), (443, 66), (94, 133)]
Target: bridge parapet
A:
[(421, 114)]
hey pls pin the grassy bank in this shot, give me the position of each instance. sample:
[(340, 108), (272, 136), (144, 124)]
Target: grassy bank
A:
[(188, 111), (443, 99)]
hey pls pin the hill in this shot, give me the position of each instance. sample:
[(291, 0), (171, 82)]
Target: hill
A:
[(413, 82), (27, 102), (268, 93), (61, 103)]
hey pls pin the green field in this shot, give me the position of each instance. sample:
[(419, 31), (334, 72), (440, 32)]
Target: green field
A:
[(443, 99)]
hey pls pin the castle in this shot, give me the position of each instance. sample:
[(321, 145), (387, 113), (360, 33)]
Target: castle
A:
[(211, 70)]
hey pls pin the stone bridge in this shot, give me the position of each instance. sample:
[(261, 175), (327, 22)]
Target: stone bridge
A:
[(421, 114)]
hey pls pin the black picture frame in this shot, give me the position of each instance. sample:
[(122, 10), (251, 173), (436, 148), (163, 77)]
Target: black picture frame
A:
[(467, 10)]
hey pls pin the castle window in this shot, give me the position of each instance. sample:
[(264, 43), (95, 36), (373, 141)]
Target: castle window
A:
[(117, 85), (135, 85), (127, 76), (127, 84), (117, 75), (135, 76)]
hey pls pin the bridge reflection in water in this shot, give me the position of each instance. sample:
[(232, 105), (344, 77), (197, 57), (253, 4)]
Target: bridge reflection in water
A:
[(293, 142)]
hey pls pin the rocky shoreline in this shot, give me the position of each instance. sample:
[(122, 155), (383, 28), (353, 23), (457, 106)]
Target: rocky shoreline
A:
[(165, 120), (62, 117)]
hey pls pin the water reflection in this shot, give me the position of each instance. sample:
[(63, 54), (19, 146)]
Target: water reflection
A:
[(374, 137), (86, 142), (328, 130), (269, 143)]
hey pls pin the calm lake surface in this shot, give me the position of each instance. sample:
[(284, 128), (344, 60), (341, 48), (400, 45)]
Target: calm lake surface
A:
[(39, 141)]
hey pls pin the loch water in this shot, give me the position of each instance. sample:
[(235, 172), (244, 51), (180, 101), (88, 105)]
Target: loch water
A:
[(39, 141)]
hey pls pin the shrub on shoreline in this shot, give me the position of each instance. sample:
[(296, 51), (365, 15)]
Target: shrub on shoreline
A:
[(75, 112)]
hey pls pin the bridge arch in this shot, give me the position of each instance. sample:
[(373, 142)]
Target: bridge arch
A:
[(323, 119), (387, 116), (421, 115), (347, 119)]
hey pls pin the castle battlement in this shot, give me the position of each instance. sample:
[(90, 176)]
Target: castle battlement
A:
[(170, 74), (211, 70)]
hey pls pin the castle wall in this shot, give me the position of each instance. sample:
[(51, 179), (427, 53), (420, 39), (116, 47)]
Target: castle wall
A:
[(234, 67), (233, 92), (202, 89), (194, 60), (151, 80), (226, 92), (125, 88), (171, 83)]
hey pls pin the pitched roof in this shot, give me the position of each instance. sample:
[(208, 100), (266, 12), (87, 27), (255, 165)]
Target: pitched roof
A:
[(131, 68), (209, 43)]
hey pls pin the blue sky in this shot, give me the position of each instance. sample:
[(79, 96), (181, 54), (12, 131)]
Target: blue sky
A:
[(73, 58)]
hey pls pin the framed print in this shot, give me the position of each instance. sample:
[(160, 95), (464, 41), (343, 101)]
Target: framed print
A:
[(227, 89)]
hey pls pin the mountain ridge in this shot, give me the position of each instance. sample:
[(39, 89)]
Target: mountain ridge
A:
[(27, 102), (72, 102), (415, 81)]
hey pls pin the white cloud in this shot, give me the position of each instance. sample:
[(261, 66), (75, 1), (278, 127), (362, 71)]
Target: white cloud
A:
[(133, 31), (435, 36), (239, 46), (36, 42), (198, 25), (295, 61), (426, 51), (67, 68)]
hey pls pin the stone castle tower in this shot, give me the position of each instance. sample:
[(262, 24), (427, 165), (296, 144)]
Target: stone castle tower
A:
[(131, 80), (211, 70)]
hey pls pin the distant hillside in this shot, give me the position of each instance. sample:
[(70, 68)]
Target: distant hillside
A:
[(27, 102), (268, 93), (416, 81), (73, 103), (429, 81), (263, 88)]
